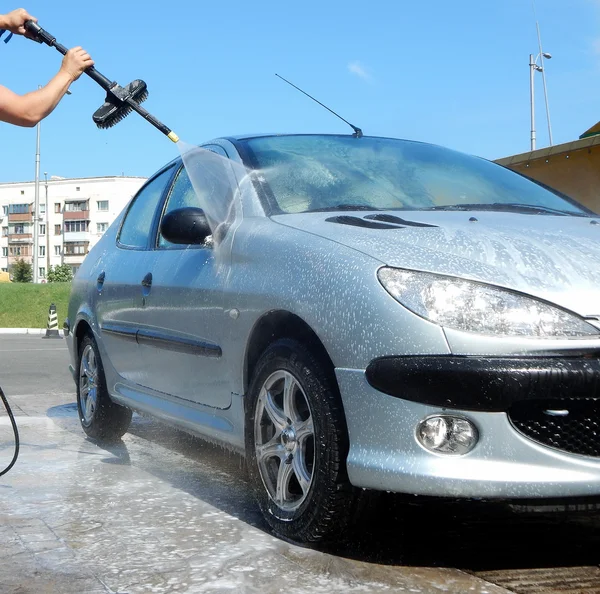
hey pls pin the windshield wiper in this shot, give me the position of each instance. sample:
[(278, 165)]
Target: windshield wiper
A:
[(509, 207), (344, 207)]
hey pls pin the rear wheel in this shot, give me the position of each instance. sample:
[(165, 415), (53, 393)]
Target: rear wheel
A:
[(296, 444), (100, 417)]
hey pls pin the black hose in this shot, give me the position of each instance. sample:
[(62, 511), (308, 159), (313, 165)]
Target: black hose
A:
[(15, 430)]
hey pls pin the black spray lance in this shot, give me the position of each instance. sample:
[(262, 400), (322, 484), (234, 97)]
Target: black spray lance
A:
[(120, 101)]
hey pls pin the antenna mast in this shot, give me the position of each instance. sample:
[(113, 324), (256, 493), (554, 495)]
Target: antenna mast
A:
[(358, 133), (537, 26)]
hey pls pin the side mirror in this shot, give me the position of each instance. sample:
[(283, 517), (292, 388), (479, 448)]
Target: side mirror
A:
[(185, 226)]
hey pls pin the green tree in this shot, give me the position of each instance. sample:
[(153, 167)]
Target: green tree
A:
[(62, 273), (22, 272)]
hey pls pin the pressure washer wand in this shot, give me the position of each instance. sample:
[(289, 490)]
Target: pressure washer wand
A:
[(15, 432), (120, 101)]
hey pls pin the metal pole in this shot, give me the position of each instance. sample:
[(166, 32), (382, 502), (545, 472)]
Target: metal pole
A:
[(531, 94), (47, 223), (544, 81), (36, 207)]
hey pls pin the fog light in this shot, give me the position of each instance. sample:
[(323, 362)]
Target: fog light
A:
[(447, 435)]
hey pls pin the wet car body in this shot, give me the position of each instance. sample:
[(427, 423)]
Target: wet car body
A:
[(181, 331)]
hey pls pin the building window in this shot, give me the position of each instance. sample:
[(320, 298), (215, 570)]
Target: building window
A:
[(57, 250), (76, 226), (76, 206), (5, 209), (42, 229), (77, 189), (42, 250), (17, 230), (4, 231), (56, 229), (42, 209), (76, 248), (5, 252), (57, 207), (22, 192), (42, 271), (16, 251), (101, 227), (74, 269), (18, 209), (102, 204)]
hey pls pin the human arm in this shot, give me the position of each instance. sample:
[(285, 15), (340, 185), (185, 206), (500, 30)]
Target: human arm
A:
[(15, 21), (27, 110)]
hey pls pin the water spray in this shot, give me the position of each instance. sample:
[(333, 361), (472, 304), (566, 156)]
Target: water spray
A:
[(120, 101)]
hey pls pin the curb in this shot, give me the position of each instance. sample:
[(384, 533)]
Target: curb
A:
[(35, 331)]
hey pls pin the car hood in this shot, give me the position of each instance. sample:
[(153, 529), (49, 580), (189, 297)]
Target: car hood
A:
[(556, 258)]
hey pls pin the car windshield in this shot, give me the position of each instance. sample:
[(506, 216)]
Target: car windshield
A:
[(307, 173)]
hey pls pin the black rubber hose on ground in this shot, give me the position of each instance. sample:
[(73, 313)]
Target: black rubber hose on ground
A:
[(15, 431)]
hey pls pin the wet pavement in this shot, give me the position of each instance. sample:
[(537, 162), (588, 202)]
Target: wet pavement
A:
[(161, 511)]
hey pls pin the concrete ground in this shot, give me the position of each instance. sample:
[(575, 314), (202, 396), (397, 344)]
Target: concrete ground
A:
[(164, 512)]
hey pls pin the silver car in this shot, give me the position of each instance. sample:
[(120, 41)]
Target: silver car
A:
[(350, 313)]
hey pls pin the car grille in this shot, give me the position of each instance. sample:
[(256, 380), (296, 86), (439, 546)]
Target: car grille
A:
[(545, 421)]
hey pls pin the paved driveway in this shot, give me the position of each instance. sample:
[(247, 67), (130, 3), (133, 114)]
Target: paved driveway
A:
[(164, 512)]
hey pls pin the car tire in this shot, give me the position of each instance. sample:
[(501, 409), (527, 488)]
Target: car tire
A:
[(100, 417), (296, 445)]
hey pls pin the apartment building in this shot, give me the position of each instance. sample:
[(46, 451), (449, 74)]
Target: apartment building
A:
[(74, 213)]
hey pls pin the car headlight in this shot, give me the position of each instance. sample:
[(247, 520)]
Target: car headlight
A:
[(476, 307)]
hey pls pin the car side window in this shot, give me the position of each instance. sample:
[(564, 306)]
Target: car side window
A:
[(137, 225), (215, 148)]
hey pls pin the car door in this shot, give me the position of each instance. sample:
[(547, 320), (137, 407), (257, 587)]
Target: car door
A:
[(184, 325), (119, 275)]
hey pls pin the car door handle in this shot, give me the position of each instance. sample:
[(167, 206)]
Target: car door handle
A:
[(147, 281), (100, 281), (146, 287)]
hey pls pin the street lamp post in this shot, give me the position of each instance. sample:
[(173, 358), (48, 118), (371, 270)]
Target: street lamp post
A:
[(47, 223), (533, 68), (36, 208)]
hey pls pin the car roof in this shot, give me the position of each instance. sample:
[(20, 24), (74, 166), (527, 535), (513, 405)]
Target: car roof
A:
[(267, 134)]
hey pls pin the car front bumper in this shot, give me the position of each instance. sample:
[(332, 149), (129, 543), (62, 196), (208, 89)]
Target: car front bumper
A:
[(505, 463)]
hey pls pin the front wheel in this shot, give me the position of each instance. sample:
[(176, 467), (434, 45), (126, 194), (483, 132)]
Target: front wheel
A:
[(296, 445), (100, 417)]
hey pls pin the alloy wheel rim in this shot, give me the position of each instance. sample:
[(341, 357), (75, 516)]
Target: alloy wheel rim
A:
[(284, 440), (88, 383)]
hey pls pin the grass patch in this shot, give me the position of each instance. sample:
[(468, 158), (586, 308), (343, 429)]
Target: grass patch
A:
[(25, 305)]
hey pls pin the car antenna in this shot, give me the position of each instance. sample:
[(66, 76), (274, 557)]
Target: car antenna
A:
[(358, 133)]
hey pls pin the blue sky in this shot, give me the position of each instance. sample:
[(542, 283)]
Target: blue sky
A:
[(452, 73)]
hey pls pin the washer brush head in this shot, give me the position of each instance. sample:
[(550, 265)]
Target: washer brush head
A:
[(116, 107)]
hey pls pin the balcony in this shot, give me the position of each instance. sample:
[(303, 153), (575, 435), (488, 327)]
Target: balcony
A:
[(20, 238), (26, 257), (73, 258), (76, 215), (76, 236), (20, 217)]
